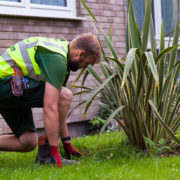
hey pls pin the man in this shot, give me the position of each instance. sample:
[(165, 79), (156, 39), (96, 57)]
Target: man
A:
[(45, 64)]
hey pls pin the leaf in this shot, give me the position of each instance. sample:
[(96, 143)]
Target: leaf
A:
[(85, 77), (76, 107), (161, 141), (161, 66), (102, 51), (90, 100), (128, 43), (129, 61), (134, 35), (173, 55), (152, 66), (110, 118), (110, 46), (149, 142), (164, 125), (94, 73), (80, 92), (80, 74), (146, 25), (83, 87), (89, 11), (152, 34), (164, 52), (110, 34), (139, 83)]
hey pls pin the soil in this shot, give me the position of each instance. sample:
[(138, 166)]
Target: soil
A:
[(176, 152)]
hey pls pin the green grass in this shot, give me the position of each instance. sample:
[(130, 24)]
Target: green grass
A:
[(111, 158)]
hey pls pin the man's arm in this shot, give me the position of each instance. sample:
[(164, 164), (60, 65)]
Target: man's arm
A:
[(51, 116)]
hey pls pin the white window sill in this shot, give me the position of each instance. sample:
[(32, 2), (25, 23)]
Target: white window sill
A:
[(43, 15)]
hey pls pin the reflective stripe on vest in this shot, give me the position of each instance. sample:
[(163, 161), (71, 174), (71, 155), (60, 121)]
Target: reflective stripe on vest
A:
[(22, 54)]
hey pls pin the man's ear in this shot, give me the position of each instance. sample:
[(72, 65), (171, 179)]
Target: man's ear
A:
[(81, 53)]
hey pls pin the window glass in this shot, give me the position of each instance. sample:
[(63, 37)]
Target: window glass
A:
[(13, 0), (51, 3), (169, 14), (139, 8)]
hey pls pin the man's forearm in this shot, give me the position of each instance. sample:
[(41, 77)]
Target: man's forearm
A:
[(51, 123)]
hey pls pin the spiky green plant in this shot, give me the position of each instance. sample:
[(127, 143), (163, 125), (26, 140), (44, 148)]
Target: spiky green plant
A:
[(142, 97)]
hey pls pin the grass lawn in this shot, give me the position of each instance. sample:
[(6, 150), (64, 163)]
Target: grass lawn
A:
[(111, 158)]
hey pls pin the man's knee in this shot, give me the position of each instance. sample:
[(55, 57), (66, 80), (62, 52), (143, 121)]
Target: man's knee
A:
[(29, 141), (66, 95)]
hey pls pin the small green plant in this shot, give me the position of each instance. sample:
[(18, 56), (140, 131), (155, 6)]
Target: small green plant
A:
[(103, 112), (96, 125), (159, 148), (178, 133)]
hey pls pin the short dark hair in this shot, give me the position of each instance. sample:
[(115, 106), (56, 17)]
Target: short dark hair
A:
[(89, 43)]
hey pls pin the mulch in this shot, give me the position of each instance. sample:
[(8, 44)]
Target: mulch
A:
[(176, 152)]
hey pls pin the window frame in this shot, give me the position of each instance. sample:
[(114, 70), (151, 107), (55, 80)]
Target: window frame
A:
[(157, 24), (25, 8)]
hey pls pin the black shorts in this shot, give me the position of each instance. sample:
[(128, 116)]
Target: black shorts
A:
[(17, 110)]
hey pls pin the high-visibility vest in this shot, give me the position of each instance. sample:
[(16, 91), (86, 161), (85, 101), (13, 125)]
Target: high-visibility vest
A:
[(22, 54)]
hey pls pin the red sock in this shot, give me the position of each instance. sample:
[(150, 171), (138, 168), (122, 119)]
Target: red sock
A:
[(55, 153), (41, 140)]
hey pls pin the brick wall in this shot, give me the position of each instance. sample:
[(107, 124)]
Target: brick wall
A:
[(109, 13)]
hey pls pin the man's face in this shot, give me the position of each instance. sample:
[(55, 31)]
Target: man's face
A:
[(80, 62)]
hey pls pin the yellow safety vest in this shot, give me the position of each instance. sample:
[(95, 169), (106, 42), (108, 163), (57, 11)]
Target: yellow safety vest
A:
[(22, 54)]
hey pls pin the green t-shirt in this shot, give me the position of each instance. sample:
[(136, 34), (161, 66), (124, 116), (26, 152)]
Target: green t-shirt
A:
[(53, 67)]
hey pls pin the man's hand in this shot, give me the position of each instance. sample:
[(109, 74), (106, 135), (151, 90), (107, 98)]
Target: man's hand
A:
[(70, 150), (55, 155)]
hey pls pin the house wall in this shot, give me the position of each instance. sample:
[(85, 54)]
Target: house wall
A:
[(109, 14)]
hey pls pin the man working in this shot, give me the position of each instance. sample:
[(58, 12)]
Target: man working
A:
[(32, 73)]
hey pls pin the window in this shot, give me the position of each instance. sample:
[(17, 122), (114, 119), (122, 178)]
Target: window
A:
[(161, 9), (13, 0), (40, 8), (166, 10)]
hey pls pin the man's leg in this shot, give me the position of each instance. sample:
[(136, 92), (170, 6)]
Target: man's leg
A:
[(64, 106), (24, 137), (65, 100), (25, 143)]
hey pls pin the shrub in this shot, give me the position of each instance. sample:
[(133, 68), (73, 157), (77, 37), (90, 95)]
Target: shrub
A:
[(142, 97)]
